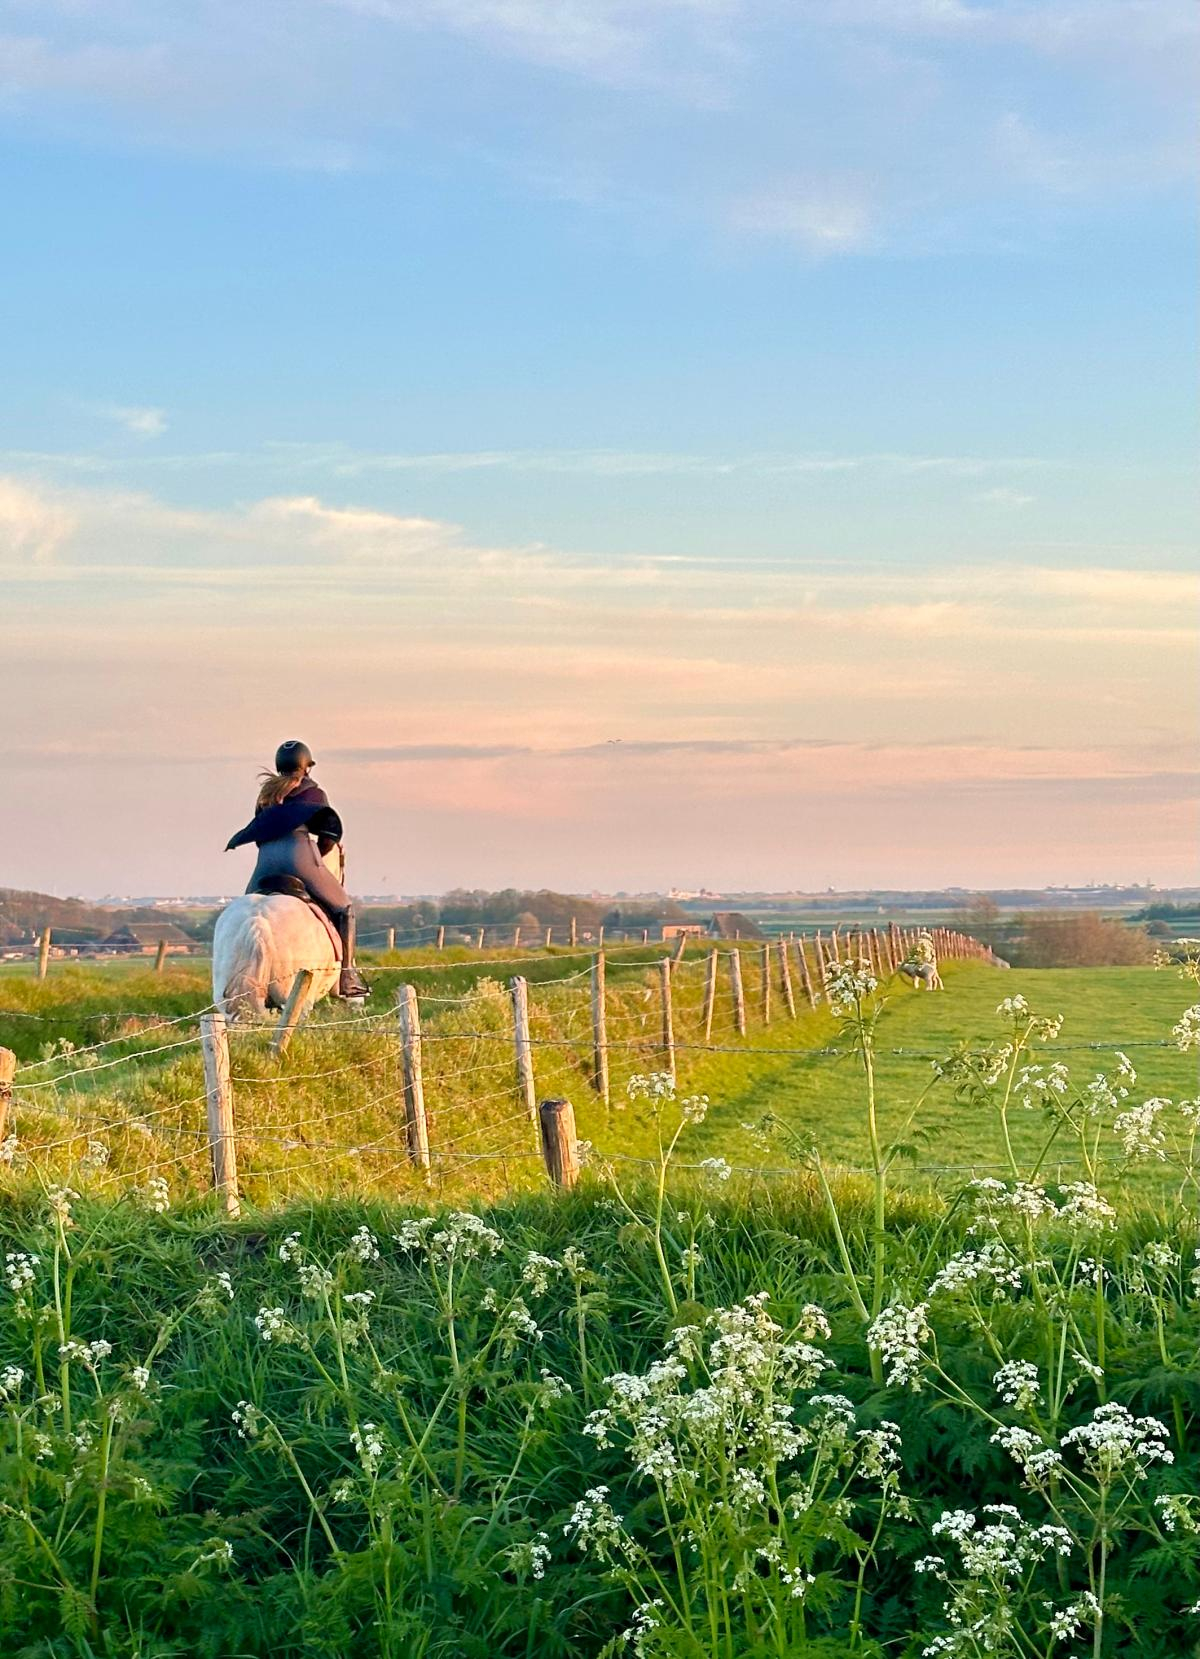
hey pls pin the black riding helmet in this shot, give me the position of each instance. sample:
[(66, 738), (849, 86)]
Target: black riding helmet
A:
[(292, 755)]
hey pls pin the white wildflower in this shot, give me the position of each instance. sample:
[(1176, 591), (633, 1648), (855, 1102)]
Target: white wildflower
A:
[(717, 1168), (315, 1281), (214, 1293), (217, 1553), (530, 1557), (273, 1325), (11, 1379), (538, 1271), (1066, 1621), (1037, 1460), (1084, 1205), (363, 1246), (19, 1271), (897, 1335), (156, 1195), (518, 1325), (813, 1323), (1179, 1511), (1186, 1031), (291, 1249), (1115, 1442), (368, 1443), (595, 1526), (992, 1263), (1017, 1383), (96, 1157), (1139, 1132), (139, 1376)]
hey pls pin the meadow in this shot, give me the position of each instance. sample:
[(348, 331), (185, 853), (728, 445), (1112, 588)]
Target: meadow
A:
[(874, 1332)]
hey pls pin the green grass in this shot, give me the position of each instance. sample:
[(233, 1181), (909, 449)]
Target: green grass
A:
[(423, 1567), (328, 1118)]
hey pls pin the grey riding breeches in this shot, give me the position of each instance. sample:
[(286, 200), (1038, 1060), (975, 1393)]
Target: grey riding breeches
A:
[(296, 855)]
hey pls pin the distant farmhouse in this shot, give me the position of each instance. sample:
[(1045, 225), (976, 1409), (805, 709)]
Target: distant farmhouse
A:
[(731, 924), (144, 938)]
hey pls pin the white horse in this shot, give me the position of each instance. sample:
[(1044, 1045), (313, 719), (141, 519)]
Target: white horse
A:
[(260, 943), (922, 973)]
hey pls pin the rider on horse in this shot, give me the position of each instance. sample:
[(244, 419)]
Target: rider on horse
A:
[(291, 809)]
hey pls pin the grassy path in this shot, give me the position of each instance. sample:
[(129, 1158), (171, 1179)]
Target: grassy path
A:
[(1111, 1007)]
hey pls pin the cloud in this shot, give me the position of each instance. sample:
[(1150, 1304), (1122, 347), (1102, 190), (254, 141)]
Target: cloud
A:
[(34, 527), (1004, 496), (821, 127), (141, 421), (818, 217)]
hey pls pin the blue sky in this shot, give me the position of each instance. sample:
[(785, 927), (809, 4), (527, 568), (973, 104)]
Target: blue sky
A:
[(545, 367)]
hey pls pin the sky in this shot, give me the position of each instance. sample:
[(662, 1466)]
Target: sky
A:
[(635, 443)]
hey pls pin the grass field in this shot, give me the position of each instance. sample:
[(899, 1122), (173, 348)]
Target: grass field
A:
[(339, 1087), (347, 1425)]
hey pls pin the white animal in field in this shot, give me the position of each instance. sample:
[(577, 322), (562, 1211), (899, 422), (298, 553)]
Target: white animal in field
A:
[(260, 943), (922, 974)]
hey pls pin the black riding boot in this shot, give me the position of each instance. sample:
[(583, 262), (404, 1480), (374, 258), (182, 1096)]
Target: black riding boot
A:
[(351, 984)]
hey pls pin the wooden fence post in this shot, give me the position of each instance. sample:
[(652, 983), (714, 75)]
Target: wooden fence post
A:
[(517, 937), (574, 933), (391, 938), (739, 995), (645, 936), (160, 956), (479, 939), (549, 936), (214, 1047), (600, 938), (679, 949), (43, 961), (599, 1030), (805, 976), (416, 1129), (710, 992), (764, 958), (822, 965), (8, 1070), (441, 938), (785, 978), (293, 1009), (520, 1003), (668, 1015), (560, 1148)]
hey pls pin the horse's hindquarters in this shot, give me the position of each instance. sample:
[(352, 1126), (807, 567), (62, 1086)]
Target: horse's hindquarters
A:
[(260, 943)]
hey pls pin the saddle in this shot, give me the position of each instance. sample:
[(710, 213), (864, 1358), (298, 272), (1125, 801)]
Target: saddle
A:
[(293, 888)]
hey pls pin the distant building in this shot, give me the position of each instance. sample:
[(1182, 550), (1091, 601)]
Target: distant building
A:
[(144, 938), (731, 924), (680, 930)]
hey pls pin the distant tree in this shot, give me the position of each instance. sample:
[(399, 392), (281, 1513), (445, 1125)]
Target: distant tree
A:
[(1085, 940), (980, 917)]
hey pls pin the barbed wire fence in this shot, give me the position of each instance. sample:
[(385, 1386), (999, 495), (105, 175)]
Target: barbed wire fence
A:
[(439, 1090)]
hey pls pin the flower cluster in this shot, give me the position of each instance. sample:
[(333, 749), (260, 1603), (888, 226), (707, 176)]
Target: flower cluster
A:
[(460, 1236), (849, 983), (1139, 1130), (897, 1334)]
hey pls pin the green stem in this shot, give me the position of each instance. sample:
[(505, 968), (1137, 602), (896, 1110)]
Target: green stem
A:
[(101, 1505)]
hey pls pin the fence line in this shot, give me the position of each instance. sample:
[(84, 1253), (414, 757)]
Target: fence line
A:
[(401, 1085)]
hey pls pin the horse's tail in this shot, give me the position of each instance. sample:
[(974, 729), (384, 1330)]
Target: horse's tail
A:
[(242, 964)]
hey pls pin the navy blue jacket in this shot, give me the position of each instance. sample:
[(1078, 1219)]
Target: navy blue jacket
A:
[(307, 808)]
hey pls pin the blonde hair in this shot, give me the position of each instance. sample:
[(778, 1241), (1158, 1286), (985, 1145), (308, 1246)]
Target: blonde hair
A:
[(276, 787)]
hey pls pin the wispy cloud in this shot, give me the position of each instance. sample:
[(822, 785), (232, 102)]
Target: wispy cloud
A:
[(1004, 496), (819, 217), (139, 419)]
